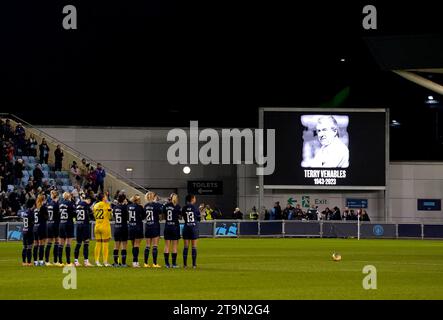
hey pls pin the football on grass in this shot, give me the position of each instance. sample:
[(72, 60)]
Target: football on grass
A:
[(336, 256)]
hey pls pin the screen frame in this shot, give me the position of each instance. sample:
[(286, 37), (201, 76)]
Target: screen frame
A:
[(262, 111)]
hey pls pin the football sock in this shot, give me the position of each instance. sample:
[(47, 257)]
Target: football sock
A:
[(68, 253), (77, 250), (35, 252), (185, 256), (98, 248), (147, 254), (86, 251), (154, 254), (105, 252), (166, 255), (115, 256), (124, 256), (41, 252), (60, 253), (24, 252), (194, 256), (48, 251), (135, 251), (55, 252), (29, 254), (174, 259)]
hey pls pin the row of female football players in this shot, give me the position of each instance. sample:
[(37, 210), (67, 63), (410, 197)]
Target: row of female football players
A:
[(52, 222)]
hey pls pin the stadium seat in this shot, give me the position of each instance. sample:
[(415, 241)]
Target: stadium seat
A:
[(45, 167), (46, 174), (25, 174), (25, 158), (31, 159)]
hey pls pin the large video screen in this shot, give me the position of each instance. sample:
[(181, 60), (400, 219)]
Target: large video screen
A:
[(328, 148)]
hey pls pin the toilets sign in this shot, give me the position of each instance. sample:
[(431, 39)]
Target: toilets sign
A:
[(205, 188)]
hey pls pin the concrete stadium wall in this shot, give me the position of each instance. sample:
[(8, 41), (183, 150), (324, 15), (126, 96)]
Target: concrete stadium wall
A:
[(145, 150)]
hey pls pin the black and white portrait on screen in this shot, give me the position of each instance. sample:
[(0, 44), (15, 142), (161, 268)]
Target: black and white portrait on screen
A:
[(325, 141)]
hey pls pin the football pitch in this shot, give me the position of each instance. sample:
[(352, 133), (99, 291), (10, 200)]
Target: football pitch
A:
[(246, 269)]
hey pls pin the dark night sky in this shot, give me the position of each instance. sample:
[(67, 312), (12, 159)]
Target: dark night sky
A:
[(216, 64)]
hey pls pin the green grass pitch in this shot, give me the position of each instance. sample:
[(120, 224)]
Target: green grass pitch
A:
[(247, 269)]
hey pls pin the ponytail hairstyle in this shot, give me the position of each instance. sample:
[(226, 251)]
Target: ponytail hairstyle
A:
[(40, 200), (173, 198), (54, 194), (150, 196), (135, 199)]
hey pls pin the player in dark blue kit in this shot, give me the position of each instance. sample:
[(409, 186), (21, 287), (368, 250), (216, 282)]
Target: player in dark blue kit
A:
[(172, 212), (83, 214), (135, 225), (53, 227), (40, 229), (27, 216), (67, 215), (191, 215), (153, 210), (120, 216)]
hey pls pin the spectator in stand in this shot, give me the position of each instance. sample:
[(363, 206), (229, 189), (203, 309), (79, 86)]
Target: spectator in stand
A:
[(326, 214), (237, 214), (253, 215), (202, 210), (38, 175), (298, 213), (7, 130), (217, 214), (336, 215), (3, 185), (58, 156), (364, 216), (30, 185), (75, 174), (88, 186), (44, 152), (352, 216), (208, 212), (92, 176), (18, 172), (276, 213), (266, 213), (19, 138), (101, 175), (84, 170), (32, 146), (14, 202), (312, 213), (9, 177), (10, 151), (345, 214), (288, 212)]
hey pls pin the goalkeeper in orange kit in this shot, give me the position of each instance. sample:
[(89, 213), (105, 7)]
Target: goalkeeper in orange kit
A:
[(102, 214)]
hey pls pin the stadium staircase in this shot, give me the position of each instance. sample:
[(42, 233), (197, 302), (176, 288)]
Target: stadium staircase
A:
[(113, 182)]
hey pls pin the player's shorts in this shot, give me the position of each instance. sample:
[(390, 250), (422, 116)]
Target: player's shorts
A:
[(66, 231), (190, 232), (40, 232), (152, 231), (120, 234), (53, 230), (28, 238), (171, 232), (83, 232), (102, 232), (135, 232)]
